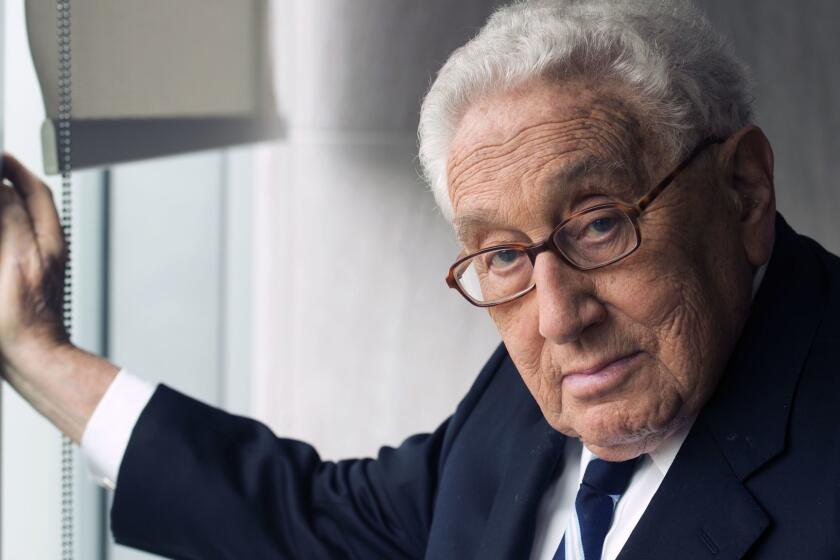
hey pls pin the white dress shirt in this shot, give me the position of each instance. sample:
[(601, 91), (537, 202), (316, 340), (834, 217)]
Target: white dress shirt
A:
[(559, 499), (107, 432)]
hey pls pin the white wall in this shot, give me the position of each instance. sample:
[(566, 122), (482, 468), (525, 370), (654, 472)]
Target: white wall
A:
[(165, 279), (359, 341)]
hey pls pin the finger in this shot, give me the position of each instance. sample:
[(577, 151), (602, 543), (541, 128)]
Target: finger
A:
[(16, 231), (38, 201)]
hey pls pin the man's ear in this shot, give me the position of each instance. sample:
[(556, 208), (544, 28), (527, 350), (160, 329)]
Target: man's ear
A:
[(746, 160)]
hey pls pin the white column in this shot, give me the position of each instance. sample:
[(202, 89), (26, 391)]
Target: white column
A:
[(358, 341)]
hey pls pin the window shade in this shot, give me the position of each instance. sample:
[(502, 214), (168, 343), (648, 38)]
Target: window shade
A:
[(156, 77)]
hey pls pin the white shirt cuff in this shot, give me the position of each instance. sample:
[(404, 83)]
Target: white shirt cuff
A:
[(109, 428)]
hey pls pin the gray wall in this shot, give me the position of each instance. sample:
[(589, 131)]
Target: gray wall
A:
[(792, 48)]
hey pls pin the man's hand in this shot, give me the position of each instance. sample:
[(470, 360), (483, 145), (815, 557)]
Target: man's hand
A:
[(36, 358), (32, 260)]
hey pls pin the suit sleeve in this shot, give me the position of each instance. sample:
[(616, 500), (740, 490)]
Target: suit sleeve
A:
[(197, 483)]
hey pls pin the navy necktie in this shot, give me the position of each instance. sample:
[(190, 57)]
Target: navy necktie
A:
[(602, 485)]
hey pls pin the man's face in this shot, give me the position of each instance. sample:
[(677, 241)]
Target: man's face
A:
[(620, 356)]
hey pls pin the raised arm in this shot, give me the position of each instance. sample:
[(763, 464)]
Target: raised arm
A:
[(194, 482), (62, 382)]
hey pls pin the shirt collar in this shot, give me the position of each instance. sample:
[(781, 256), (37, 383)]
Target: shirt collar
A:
[(661, 457), (665, 453)]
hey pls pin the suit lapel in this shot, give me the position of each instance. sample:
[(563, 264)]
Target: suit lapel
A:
[(701, 510), (704, 509), (509, 532)]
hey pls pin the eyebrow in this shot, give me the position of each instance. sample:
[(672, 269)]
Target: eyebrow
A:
[(571, 173), (588, 166)]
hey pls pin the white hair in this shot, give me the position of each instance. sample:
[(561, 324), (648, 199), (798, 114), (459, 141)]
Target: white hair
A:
[(680, 69)]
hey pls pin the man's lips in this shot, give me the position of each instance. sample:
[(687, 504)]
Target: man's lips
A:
[(597, 380)]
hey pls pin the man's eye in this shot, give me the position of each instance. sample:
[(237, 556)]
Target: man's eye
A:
[(599, 227), (504, 259)]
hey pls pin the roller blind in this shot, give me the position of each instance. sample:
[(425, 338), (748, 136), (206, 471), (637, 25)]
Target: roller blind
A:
[(156, 77)]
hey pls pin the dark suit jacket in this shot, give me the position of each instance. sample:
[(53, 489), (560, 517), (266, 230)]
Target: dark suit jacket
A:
[(757, 477)]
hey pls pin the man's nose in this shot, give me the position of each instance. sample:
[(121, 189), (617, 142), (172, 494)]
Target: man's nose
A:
[(566, 300)]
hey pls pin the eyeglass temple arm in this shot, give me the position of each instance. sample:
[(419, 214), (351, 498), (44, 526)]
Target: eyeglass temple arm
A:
[(647, 199)]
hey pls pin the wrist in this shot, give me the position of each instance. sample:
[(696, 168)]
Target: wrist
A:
[(61, 381), (31, 351)]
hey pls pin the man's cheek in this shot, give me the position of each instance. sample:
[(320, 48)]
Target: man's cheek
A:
[(528, 364), (653, 298), (519, 327)]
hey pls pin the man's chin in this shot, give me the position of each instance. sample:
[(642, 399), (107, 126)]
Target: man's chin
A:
[(617, 443), (618, 452), (623, 444)]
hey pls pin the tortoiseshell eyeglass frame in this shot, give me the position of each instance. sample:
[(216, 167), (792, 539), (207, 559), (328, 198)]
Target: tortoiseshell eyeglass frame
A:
[(632, 211)]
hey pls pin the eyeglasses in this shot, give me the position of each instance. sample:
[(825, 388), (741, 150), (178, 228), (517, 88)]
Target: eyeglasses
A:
[(591, 238)]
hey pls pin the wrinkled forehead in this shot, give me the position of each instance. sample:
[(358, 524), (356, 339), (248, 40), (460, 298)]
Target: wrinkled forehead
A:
[(521, 146)]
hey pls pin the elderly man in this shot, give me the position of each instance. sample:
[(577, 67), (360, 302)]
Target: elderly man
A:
[(667, 381)]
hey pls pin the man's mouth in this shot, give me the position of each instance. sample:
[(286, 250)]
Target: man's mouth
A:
[(596, 381)]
